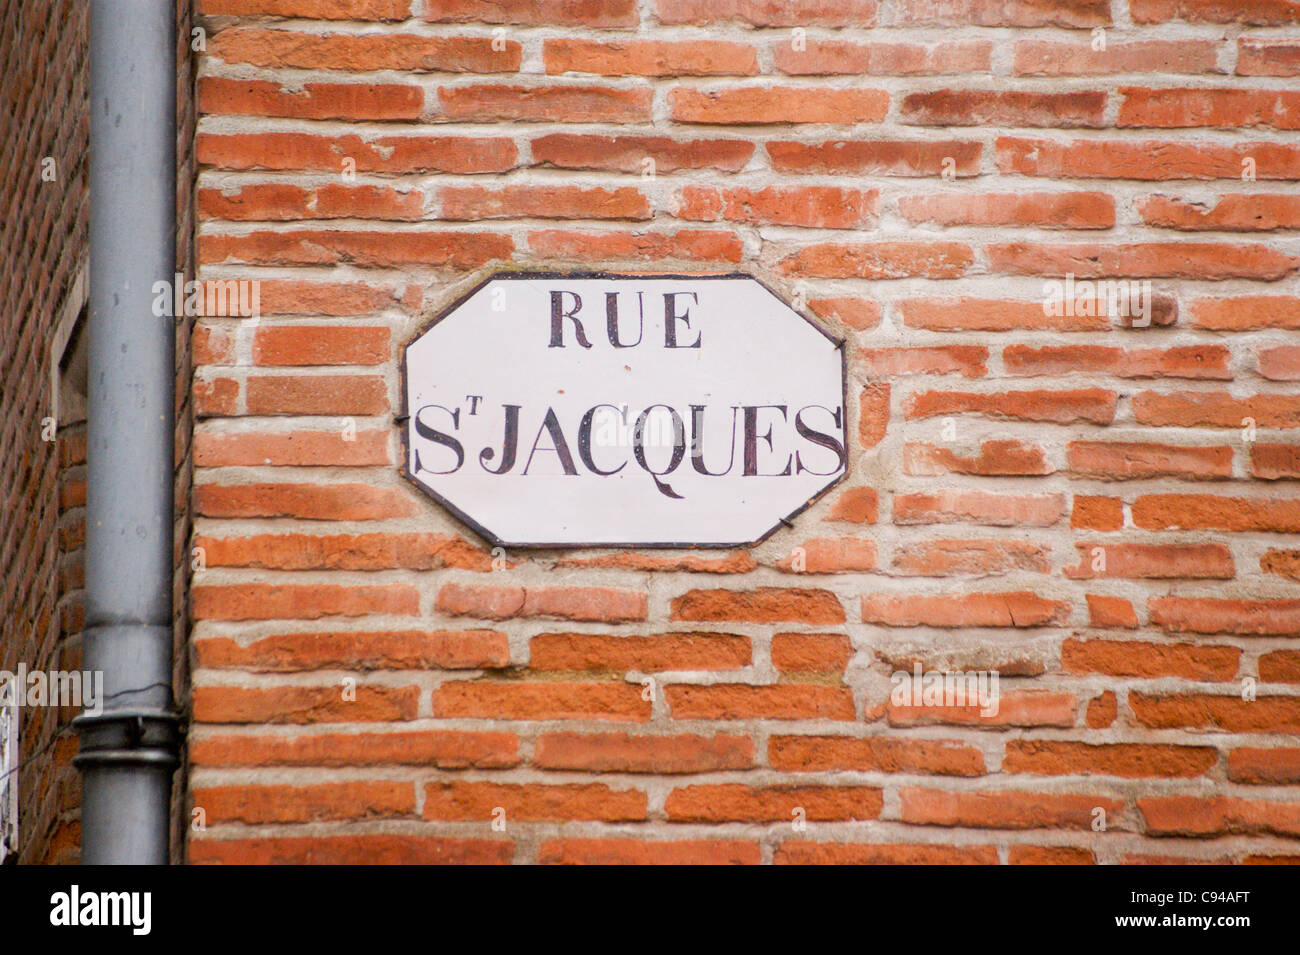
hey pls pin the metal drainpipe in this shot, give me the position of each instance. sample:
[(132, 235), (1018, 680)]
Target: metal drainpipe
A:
[(128, 752)]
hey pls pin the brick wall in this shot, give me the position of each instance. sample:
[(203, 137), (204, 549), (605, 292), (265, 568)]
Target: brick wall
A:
[(44, 126), (187, 46), (1099, 509), (45, 76)]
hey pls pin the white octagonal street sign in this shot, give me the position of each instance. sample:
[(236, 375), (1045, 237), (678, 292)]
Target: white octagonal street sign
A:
[(603, 410)]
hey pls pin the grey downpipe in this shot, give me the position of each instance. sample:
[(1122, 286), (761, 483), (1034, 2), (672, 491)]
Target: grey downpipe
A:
[(128, 752)]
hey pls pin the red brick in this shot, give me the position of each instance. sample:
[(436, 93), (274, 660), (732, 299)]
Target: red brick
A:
[(1280, 666), (809, 754), (532, 802), (1102, 710), (990, 315), (732, 562), (739, 701), (1004, 809), (1047, 210), (542, 202), (596, 13), (950, 558), (966, 360), (626, 753), (1111, 612), (630, 153), (1274, 461), (837, 57), (537, 104), (1130, 760), (1231, 108), (369, 650), (216, 397), (386, 154), (1198, 260), (1285, 563), (664, 651), (1004, 13), (857, 505), (350, 101), (767, 13), (993, 458), (1216, 409), (856, 313), (1280, 363), (740, 803), (649, 57), (766, 105), (302, 448), (620, 702), (330, 502), (819, 207), (1133, 658), (285, 297), (310, 9), (1027, 708), (1138, 460), (1096, 513), (873, 414), (1231, 213), (1019, 609), (877, 157), (831, 555), (979, 507), (1226, 615), (696, 245), (1266, 714), (1153, 561), (840, 853), (880, 260), (763, 605), (1218, 816), (283, 202), (1275, 766), (1003, 108), (378, 849), (213, 345), (1253, 12), (294, 345), (1172, 511), (1259, 56), (304, 704), (1144, 160), (811, 652), (364, 52), (606, 604), (301, 601), (1189, 361), (1049, 855), (643, 852), (1069, 58), (1094, 405), (445, 749), (464, 250), (316, 395), (355, 799)]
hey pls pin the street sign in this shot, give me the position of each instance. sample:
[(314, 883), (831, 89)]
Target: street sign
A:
[(605, 410)]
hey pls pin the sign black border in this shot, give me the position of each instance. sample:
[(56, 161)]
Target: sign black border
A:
[(402, 418)]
